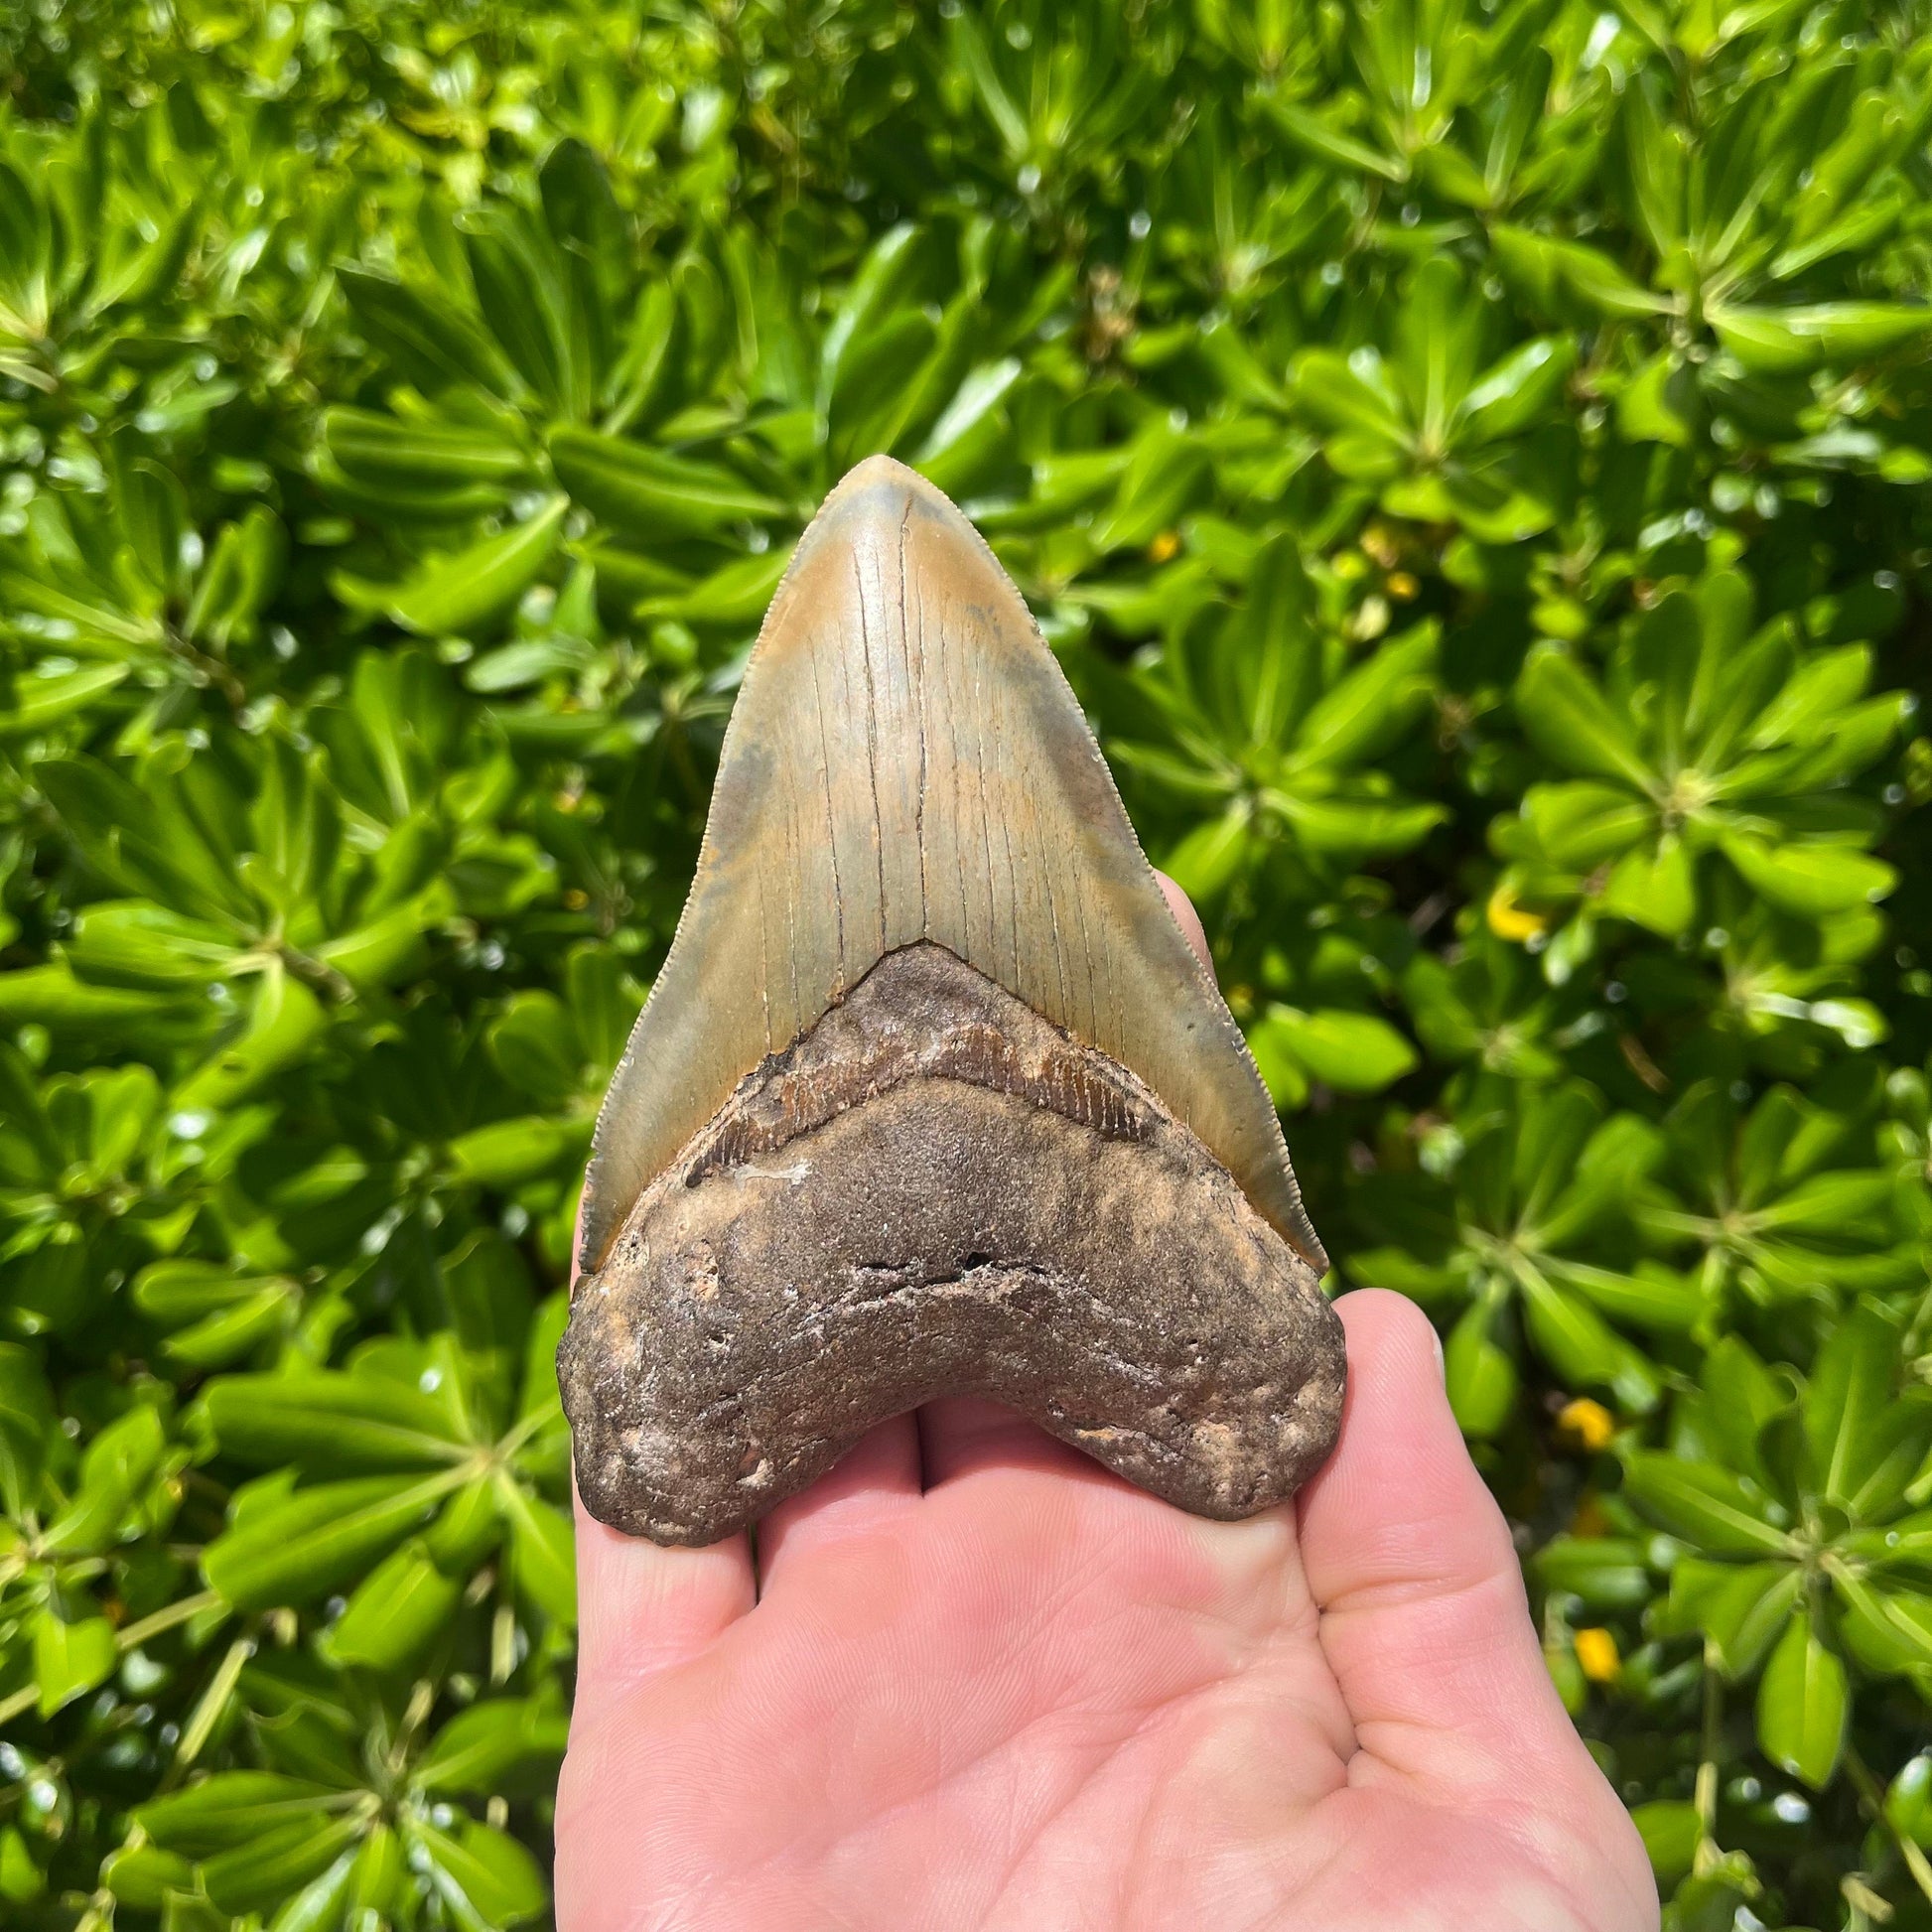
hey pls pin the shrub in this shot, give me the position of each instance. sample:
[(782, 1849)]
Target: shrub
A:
[(1470, 459)]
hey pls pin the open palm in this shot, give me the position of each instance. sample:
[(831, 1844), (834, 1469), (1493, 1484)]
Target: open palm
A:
[(978, 1682)]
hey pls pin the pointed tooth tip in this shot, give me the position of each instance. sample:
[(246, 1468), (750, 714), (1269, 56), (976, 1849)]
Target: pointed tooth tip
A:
[(884, 487), (870, 506)]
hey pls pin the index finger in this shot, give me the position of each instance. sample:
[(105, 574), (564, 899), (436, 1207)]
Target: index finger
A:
[(642, 1609)]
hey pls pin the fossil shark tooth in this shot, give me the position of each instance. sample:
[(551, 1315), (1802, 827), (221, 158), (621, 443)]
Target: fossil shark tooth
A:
[(931, 1095)]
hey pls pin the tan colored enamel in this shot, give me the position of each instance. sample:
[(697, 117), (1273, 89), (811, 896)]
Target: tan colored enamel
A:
[(907, 762)]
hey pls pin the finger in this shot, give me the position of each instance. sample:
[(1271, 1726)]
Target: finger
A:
[(1188, 921), (877, 1481), (642, 1609), (965, 1436), (1424, 1619)]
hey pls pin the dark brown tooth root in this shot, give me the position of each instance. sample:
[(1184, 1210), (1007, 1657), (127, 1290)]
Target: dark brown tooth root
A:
[(931, 1093), (794, 1281)]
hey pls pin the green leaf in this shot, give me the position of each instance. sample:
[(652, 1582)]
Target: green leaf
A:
[(1709, 1507), (1671, 1831), (417, 455), (479, 1749), (231, 1808), (285, 1021), (141, 1877), (1215, 853), (318, 1539), (1554, 272), (1654, 888), (70, 1658), (133, 942), (1517, 391), (1566, 718), (1317, 136), (1888, 1630), (1369, 708), (432, 342), (1802, 1704), (327, 1422), (33, 703), (1481, 1377), (737, 593), (484, 1878), (1847, 1399), (650, 494), (1354, 1053), (543, 1551), (1603, 1573), (216, 1315), (318, 1906), (27, 1423), (468, 588), (1812, 880), (1778, 341), (1649, 1295), (1738, 1610), (267, 1870), (1908, 1803), (397, 1611), (118, 1465), (1582, 1348), (511, 1151)]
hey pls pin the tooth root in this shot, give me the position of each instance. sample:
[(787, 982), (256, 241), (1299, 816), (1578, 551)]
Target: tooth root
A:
[(907, 762), (912, 1203)]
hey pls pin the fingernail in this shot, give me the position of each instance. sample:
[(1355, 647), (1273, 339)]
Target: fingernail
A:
[(1442, 1362)]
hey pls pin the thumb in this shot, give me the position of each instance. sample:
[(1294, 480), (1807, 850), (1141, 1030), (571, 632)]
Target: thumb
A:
[(1424, 1619)]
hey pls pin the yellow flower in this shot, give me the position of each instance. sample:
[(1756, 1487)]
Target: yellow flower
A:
[(1378, 540), (1401, 585), (1596, 1653), (1165, 548), (1587, 1423), (1508, 920)]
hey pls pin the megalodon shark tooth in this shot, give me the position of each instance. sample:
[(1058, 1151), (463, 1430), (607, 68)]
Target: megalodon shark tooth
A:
[(931, 1095)]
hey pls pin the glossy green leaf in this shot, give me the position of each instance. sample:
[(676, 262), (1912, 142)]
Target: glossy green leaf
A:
[(1564, 714), (69, 1657), (1354, 1053), (309, 1544), (468, 588), (1482, 1378), (483, 1877), (398, 1609), (648, 494), (1801, 1702), (1737, 1609), (1709, 1507)]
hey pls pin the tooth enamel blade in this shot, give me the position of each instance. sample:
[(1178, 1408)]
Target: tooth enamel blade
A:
[(907, 762)]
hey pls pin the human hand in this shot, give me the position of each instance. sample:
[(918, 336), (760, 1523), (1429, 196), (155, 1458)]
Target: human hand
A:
[(975, 1681)]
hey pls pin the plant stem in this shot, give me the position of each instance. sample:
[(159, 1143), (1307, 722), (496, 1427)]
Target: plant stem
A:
[(1707, 1852)]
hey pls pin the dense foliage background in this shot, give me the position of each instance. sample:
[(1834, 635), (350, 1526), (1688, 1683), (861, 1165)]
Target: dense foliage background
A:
[(1471, 460)]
